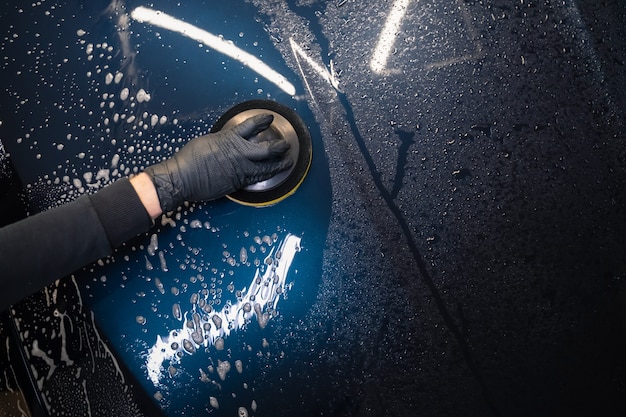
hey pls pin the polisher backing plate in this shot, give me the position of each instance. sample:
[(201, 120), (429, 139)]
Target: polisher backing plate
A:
[(286, 125)]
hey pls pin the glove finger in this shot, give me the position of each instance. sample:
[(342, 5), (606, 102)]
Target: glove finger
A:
[(277, 147), (266, 170), (264, 150), (253, 125)]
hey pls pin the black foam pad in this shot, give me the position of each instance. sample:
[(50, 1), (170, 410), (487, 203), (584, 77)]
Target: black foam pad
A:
[(286, 125)]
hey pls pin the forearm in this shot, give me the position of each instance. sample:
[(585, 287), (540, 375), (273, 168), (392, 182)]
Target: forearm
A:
[(41, 248), (36, 251), (144, 187)]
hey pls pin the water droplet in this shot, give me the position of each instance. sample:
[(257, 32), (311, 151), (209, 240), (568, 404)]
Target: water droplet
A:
[(142, 96), (223, 367), (159, 285), (197, 337), (219, 343), (214, 403), (176, 311), (243, 255), (188, 346), (194, 298)]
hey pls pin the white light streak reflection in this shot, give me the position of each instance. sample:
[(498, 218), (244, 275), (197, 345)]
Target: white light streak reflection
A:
[(321, 70), (201, 328), (163, 20), (387, 38), (118, 8)]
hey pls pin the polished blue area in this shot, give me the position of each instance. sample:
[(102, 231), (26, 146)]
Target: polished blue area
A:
[(186, 78), (199, 247)]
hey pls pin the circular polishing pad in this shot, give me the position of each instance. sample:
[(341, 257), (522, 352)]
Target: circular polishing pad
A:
[(286, 125)]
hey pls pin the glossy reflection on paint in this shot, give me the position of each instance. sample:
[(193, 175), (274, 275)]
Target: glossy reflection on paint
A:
[(202, 330), (110, 96)]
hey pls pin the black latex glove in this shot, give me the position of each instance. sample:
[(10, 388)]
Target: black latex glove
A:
[(213, 165)]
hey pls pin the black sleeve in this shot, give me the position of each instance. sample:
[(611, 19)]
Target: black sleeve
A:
[(50, 245)]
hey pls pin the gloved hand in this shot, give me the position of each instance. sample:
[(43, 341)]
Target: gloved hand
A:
[(213, 165)]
